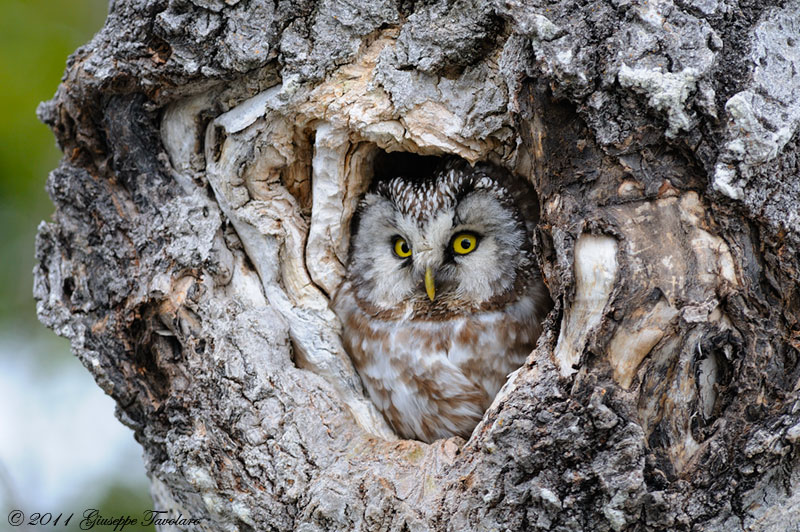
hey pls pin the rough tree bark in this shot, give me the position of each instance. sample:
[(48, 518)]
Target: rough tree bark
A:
[(214, 152)]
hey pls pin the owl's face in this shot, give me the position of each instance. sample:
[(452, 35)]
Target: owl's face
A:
[(455, 241)]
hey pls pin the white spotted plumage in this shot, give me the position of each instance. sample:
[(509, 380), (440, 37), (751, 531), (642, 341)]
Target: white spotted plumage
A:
[(432, 365)]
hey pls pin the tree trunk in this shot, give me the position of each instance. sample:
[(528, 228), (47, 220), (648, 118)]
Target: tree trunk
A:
[(214, 154)]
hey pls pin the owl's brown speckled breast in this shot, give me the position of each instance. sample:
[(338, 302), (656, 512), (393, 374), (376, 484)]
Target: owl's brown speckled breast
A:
[(434, 379)]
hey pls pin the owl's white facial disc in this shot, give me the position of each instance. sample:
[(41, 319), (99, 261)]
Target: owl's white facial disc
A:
[(428, 216)]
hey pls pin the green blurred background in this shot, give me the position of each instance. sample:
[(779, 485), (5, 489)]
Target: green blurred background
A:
[(36, 36), (61, 449)]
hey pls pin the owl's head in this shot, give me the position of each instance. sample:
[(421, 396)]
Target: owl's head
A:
[(455, 241)]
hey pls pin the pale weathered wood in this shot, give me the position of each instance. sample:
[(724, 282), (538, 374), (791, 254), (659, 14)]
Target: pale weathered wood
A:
[(214, 155)]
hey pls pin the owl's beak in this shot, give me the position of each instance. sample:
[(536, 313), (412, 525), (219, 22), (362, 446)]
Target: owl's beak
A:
[(429, 285)]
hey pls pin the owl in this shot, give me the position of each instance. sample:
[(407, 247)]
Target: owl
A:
[(442, 297)]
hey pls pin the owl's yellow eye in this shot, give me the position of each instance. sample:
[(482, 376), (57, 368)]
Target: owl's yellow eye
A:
[(464, 243), (401, 248)]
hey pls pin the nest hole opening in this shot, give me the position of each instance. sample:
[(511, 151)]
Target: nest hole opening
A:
[(482, 204)]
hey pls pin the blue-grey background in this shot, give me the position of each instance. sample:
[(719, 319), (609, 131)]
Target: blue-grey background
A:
[(61, 448)]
